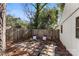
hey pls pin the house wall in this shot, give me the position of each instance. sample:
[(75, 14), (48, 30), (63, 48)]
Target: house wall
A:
[(68, 37), (68, 10)]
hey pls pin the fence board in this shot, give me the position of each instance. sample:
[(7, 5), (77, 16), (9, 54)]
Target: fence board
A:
[(22, 34), (51, 34)]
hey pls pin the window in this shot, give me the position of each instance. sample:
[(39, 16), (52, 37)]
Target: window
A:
[(77, 27), (61, 28)]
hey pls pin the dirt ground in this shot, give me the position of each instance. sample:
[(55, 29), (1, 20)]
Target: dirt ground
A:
[(29, 48), (36, 48)]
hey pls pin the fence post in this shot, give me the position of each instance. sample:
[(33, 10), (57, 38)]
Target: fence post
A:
[(4, 28)]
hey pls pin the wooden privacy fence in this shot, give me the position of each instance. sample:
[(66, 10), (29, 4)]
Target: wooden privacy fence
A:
[(20, 34), (15, 34), (50, 33)]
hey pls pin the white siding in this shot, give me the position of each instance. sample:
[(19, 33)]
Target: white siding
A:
[(68, 10), (68, 37)]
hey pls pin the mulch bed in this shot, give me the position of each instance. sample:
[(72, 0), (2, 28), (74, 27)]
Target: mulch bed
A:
[(60, 49)]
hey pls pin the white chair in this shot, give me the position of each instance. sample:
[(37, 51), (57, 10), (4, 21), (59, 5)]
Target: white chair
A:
[(34, 37), (44, 38)]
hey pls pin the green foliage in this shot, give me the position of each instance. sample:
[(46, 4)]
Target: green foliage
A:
[(38, 7), (61, 6), (12, 21), (48, 18), (43, 17)]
